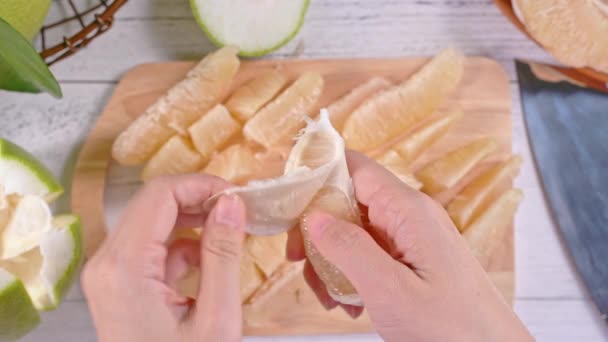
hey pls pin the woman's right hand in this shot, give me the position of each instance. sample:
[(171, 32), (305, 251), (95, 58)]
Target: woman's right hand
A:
[(423, 284)]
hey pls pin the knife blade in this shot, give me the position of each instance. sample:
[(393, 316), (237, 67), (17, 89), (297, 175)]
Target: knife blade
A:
[(568, 130)]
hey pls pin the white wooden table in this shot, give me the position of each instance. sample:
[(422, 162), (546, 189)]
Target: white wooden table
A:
[(550, 297)]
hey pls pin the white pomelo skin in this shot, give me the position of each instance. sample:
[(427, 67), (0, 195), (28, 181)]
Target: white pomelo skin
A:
[(29, 220), (48, 270), (22, 173), (256, 27), (61, 255), (275, 205), (18, 181)]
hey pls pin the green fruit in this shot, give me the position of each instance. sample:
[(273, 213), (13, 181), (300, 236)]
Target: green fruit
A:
[(49, 270), (17, 312), (26, 16), (255, 27), (21, 173), (62, 253)]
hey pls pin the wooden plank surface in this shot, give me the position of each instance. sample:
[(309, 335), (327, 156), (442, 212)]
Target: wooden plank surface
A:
[(549, 296), (483, 95)]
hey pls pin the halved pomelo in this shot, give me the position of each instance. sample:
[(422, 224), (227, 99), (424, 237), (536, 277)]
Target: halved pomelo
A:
[(255, 27), (17, 312), (22, 173)]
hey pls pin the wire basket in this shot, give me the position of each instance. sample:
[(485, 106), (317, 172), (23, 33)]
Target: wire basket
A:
[(103, 18)]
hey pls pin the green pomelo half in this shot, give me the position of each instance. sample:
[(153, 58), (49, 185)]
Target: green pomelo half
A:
[(17, 312), (49, 270), (22, 173), (255, 27)]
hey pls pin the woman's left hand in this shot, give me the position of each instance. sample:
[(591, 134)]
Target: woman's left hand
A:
[(128, 283)]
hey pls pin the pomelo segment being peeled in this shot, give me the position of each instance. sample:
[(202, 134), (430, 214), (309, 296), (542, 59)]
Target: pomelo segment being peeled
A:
[(17, 312), (255, 27), (22, 173), (316, 160)]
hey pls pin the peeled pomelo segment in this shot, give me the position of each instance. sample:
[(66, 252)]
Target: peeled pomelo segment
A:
[(29, 219), (283, 117), (574, 32), (256, 27), (247, 99), (22, 173), (398, 109), (268, 252), (236, 164), (204, 87), (340, 109), (213, 131), (415, 144), (443, 173), (488, 229), (337, 203), (390, 157), (17, 312), (176, 156), (275, 205), (140, 140), (475, 197)]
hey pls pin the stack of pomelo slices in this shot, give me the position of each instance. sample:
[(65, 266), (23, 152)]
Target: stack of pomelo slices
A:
[(255, 138), (39, 254)]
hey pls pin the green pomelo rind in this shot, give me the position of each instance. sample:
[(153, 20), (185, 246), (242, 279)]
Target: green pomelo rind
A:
[(71, 225), (246, 53), (18, 315), (10, 152)]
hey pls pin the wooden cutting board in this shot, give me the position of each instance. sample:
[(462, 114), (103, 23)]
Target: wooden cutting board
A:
[(483, 96)]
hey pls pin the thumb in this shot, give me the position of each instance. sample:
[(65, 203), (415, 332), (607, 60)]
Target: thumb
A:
[(353, 251), (221, 248)]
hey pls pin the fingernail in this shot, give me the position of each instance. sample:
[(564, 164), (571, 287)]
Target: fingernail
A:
[(352, 311), (229, 212), (317, 223), (328, 304)]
